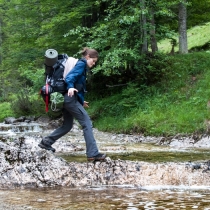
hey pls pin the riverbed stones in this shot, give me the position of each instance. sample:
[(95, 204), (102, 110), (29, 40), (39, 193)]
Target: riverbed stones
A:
[(23, 164)]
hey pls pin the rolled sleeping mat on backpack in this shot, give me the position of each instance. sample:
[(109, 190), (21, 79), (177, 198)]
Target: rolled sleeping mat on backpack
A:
[(51, 57)]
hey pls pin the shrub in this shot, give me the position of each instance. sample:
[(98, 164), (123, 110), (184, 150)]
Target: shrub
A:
[(26, 104), (5, 111)]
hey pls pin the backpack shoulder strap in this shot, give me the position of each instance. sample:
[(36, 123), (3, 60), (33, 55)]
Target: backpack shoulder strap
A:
[(61, 61)]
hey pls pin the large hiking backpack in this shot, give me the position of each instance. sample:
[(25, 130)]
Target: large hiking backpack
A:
[(55, 87)]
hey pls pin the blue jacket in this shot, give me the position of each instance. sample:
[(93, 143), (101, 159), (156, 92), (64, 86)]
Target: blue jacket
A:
[(76, 78)]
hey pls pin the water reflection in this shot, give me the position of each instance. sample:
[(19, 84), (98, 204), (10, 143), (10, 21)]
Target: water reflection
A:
[(107, 198)]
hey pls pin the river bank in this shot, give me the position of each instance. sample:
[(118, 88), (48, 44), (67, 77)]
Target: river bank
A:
[(24, 164), (25, 168)]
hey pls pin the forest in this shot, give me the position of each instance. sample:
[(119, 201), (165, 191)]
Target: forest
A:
[(134, 82)]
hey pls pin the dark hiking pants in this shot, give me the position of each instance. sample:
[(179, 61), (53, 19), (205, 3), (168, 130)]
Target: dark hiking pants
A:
[(73, 109)]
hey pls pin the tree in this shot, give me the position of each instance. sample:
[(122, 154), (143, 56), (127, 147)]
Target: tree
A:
[(198, 12), (123, 31), (152, 27), (143, 26), (183, 27)]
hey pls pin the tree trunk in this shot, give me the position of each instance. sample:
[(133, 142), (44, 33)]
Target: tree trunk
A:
[(153, 40), (183, 48), (143, 24), (0, 39)]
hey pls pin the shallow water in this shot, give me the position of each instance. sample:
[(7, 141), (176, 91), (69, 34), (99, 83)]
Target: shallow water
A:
[(143, 154), (115, 197), (105, 198)]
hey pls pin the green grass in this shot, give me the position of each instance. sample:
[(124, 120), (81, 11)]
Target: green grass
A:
[(197, 36)]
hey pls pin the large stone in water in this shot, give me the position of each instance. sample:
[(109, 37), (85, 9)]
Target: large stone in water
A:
[(23, 163)]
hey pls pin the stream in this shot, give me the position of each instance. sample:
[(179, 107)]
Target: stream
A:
[(103, 197)]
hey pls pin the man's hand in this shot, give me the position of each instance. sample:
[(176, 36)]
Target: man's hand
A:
[(71, 91), (86, 104)]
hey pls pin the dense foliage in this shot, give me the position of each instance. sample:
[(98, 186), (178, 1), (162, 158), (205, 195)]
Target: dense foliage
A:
[(122, 31), (127, 34), (177, 103)]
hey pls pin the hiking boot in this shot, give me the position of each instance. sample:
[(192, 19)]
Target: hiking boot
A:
[(46, 146), (99, 157)]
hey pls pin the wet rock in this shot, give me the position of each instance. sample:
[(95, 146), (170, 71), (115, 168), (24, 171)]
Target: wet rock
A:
[(30, 118), (21, 119), (194, 166), (43, 119), (54, 124), (24, 164), (10, 120)]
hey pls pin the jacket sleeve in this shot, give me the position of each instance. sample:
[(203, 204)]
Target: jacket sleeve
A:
[(75, 73)]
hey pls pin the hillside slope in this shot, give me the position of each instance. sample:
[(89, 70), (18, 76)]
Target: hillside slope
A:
[(178, 103), (198, 38)]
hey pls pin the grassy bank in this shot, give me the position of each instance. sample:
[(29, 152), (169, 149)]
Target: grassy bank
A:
[(197, 36), (176, 104)]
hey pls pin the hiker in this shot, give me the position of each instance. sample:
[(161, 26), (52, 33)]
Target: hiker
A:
[(74, 104)]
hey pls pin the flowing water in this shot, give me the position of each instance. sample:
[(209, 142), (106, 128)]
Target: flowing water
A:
[(113, 197), (107, 198)]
